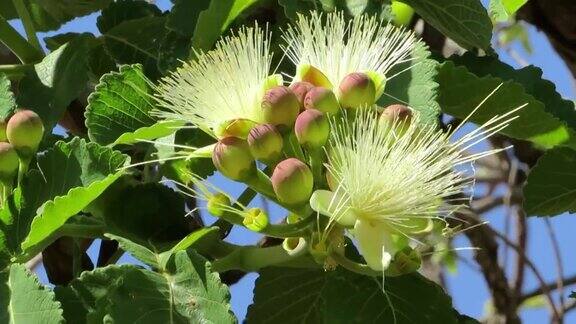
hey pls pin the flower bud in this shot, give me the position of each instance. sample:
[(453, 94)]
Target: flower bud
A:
[(237, 128), (3, 137), (217, 204), (300, 89), (322, 99), (312, 128), (255, 219), (280, 107), (265, 143), (8, 161), (357, 90), (24, 131), (398, 115), (292, 181), (405, 261), (232, 158)]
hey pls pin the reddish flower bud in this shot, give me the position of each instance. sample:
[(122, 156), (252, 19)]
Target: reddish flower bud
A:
[(397, 112), (232, 158), (280, 107), (322, 99), (292, 181), (8, 162), (265, 143), (25, 131), (300, 89), (312, 128), (357, 90)]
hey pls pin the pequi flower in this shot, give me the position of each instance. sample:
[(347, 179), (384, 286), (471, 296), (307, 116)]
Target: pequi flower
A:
[(223, 88), (326, 51), (389, 181)]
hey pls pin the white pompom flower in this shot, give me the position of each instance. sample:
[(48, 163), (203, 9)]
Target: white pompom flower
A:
[(390, 180), (325, 49), (222, 85)]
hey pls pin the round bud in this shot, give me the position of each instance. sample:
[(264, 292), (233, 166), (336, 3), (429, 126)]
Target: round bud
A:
[(255, 219), (8, 161), (265, 143), (312, 128), (236, 127), (300, 89), (292, 181), (232, 158), (280, 107), (322, 99), (3, 137), (357, 90), (24, 131), (217, 204), (396, 112)]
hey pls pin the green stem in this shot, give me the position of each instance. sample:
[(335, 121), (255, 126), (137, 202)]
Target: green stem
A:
[(27, 22), (354, 266), (23, 168), (15, 71), (76, 258), (261, 183), (253, 258), (17, 44), (316, 164)]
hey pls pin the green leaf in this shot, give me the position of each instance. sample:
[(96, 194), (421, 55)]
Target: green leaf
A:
[(465, 21), (415, 86), (184, 15), (515, 32), (160, 129), (54, 42), (73, 175), (186, 292), (137, 41), (121, 11), (547, 120), (24, 300), (350, 8), (121, 103), (287, 295), (51, 14), (551, 185), (56, 81), (174, 49), (7, 101), (502, 10), (149, 214), (213, 21)]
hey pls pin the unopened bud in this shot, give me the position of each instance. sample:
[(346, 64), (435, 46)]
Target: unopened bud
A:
[(265, 143), (237, 128), (300, 89), (280, 107), (217, 204), (25, 131), (312, 128), (292, 181), (405, 261), (232, 158), (357, 90), (322, 99), (8, 161), (308, 73), (398, 115), (255, 219)]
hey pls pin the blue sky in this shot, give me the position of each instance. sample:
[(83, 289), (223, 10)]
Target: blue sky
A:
[(467, 285)]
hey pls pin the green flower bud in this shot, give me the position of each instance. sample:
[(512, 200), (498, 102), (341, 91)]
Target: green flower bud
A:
[(8, 162), (312, 128), (255, 219), (3, 137), (237, 128), (322, 99), (357, 90), (24, 131), (310, 74), (300, 89), (232, 158), (405, 261), (280, 107), (217, 204), (292, 181), (403, 13), (265, 143)]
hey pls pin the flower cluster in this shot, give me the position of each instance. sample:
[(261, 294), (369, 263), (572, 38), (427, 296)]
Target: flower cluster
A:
[(376, 173)]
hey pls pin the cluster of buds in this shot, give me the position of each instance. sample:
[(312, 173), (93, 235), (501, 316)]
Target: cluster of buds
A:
[(20, 137)]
